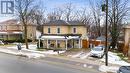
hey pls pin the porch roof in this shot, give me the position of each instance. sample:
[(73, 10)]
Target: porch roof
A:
[(15, 32), (59, 37), (65, 35)]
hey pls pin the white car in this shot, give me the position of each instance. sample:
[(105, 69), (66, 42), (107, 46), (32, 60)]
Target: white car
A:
[(97, 51)]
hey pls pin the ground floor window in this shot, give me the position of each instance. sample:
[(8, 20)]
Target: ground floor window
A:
[(77, 41)]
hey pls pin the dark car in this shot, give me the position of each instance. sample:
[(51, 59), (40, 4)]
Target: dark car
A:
[(124, 69)]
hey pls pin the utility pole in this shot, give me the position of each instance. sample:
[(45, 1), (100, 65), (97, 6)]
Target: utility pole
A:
[(106, 48), (105, 9)]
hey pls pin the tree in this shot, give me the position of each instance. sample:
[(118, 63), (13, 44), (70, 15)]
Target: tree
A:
[(38, 17), (96, 14), (68, 10), (85, 17), (23, 9), (56, 14), (118, 10)]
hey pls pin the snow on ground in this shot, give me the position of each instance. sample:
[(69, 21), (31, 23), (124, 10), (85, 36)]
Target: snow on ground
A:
[(114, 59), (77, 55), (33, 48), (111, 69), (81, 55), (34, 55), (29, 55), (85, 56)]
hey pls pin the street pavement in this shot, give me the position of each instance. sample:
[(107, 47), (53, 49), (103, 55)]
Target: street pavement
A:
[(16, 64)]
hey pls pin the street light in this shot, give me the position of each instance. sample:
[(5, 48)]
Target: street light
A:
[(105, 9)]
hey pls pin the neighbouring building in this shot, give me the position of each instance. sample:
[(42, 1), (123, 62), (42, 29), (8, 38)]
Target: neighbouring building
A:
[(64, 35), (13, 30), (126, 49)]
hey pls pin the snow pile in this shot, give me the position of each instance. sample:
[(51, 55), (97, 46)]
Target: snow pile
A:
[(106, 69), (33, 48), (19, 53), (35, 55), (31, 55), (114, 59)]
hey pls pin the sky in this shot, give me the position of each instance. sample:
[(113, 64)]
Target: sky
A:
[(51, 4)]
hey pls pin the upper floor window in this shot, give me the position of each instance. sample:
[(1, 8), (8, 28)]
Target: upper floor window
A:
[(49, 30), (74, 30), (58, 30)]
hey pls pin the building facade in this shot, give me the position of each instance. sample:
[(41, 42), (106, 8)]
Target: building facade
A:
[(13, 30), (64, 35), (126, 49)]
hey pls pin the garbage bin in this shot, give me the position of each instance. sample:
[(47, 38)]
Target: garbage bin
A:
[(19, 46)]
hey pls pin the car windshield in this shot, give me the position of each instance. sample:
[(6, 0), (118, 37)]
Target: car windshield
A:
[(97, 49)]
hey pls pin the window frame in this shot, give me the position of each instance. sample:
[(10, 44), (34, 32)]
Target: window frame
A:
[(48, 30), (74, 30), (58, 30)]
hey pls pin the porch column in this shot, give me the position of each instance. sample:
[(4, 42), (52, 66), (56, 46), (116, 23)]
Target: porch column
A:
[(47, 43), (66, 44), (79, 43), (72, 43), (56, 43), (39, 43)]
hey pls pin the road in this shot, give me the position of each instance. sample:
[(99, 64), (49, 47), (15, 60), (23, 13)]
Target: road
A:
[(17, 64)]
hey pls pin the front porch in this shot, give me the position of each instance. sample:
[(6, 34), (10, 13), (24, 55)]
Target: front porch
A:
[(61, 42)]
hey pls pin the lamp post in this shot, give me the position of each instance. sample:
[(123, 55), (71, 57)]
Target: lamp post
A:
[(105, 9)]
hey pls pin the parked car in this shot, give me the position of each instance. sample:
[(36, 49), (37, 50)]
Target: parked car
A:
[(1, 43), (124, 69), (97, 51)]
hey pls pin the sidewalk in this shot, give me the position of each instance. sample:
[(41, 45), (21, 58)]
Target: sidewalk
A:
[(25, 53), (55, 58)]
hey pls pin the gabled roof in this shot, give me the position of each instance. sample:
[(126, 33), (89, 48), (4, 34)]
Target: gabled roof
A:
[(13, 22), (63, 23), (75, 23), (56, 22), (9, 22)]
